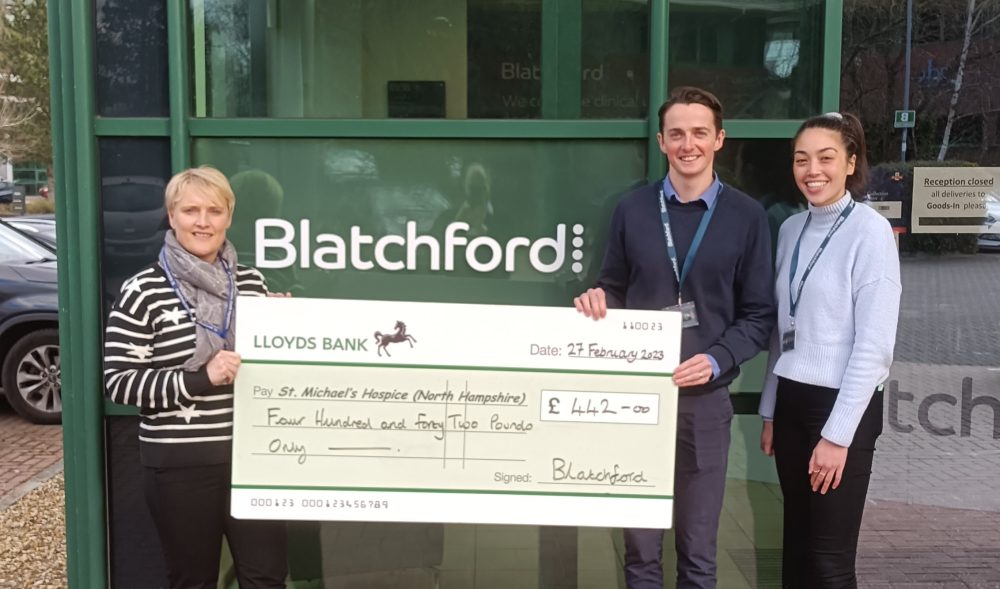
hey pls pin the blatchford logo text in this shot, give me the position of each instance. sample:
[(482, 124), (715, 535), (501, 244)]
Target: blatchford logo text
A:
[(280, 244)]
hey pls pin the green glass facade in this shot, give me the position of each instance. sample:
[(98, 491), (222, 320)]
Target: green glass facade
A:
[(441, 59), (763, 61), (512, 115)]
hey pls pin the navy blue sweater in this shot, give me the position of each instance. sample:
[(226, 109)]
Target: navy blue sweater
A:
[(731, 281)]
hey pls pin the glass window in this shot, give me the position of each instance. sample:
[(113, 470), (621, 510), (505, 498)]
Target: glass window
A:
[(419, 190), (614, 60), (131, 58), (33, 177), (763, 61), (762, 168), (434, 59), (315, 188), (134, 173), (134, 551)]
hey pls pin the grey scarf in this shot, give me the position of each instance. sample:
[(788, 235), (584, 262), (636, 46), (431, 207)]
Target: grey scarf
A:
[(205, 287)]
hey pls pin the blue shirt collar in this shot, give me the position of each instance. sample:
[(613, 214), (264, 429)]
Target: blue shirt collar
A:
[(709, 196)]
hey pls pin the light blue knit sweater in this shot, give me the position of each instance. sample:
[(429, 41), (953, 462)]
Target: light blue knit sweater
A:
[(845, 323)]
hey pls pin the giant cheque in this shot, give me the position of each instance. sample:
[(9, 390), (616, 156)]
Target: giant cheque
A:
[(432, 412)]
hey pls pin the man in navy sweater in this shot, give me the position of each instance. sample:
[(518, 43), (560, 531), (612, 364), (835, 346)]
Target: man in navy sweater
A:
[(699, 246)]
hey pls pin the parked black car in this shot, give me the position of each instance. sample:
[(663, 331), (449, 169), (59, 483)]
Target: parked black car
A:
[(29, 334), (6, 191)]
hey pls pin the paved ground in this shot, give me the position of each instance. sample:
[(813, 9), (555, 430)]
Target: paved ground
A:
[(29, 454), (950, 310), (920, 547)]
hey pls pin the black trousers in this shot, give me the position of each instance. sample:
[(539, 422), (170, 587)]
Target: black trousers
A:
[(190, 507), (820, 531)]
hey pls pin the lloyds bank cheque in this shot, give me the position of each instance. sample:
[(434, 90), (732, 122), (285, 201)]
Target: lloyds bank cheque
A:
[(432, 412)]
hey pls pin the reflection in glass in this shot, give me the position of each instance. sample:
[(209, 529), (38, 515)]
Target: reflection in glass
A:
[(134, 173), (131, 58), (762, 168), (429, 59), (315, 192), (781, 55), (134, 553), (614, 59), (763, 60)]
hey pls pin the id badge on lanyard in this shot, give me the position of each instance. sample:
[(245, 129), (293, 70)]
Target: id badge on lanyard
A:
[(788, 337), (687, 309), (788, 340), (689, 314)]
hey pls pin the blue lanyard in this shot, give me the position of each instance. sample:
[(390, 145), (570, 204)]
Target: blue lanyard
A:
[(682, 273), (794, 300), (222, 331)]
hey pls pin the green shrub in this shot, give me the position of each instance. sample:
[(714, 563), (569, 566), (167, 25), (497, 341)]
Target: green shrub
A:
[(32, 206), (37, 206), (933, 243)]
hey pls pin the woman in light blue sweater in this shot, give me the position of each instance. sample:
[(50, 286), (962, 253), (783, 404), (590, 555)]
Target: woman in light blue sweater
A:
[(838, 292)]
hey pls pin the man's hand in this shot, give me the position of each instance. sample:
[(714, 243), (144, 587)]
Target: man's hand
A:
[(694, 371), (222, 367), (592, 303), (767, 438)]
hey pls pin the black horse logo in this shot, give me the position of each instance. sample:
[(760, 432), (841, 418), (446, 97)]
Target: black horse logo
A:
[(391, 338)]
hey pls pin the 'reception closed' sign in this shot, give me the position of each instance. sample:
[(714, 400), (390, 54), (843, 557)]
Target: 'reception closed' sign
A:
[(954, 200)]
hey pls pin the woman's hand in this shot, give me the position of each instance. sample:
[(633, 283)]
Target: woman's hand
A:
[(281, 295), (222, 367), (767, 438), (826, 466)]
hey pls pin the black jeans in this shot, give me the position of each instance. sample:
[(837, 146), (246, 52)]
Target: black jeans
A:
[(820, 531), (190, 507)]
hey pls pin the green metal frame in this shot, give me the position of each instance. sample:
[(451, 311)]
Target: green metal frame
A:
[(561, 54), (419, 128), (659, 31), (177, 72), (129, 127), (443, 129), (833, 36), (76, 127), (77, 206)]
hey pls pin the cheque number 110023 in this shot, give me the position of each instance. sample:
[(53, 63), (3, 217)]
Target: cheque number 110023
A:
[(642, 326)]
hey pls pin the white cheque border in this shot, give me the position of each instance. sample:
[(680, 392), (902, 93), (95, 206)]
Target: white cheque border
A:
[(455, 507)]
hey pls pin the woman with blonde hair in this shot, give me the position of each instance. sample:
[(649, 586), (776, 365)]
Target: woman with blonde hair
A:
[(169, 351)]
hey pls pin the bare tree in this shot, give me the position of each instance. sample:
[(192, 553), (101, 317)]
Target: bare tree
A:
[(24, 65), (15, 112), (871, 66), (977, 17)]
